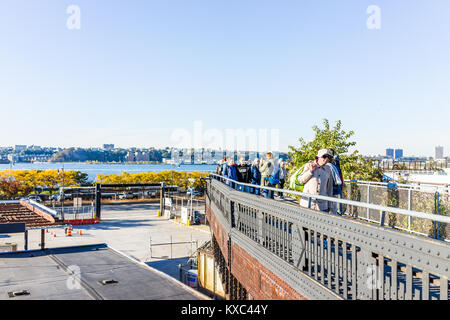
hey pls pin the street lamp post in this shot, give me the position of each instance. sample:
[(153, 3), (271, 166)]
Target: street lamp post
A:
[(191, 180), (62, 195)]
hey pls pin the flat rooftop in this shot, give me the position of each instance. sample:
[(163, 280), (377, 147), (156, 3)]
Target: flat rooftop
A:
[(78, 273)]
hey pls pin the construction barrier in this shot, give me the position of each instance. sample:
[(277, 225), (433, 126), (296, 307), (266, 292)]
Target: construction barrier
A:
[(77, 222)]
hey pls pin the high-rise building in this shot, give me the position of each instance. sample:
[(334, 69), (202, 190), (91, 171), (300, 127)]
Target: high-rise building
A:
[(108, 147), (390, 152), (19, 148), (439, 152), (398, 153)]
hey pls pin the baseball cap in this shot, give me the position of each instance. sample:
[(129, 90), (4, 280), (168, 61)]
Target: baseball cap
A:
[(323, 152)]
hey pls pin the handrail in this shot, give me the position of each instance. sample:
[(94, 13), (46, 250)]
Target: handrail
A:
[(410, 213), (42, 207), (431, 188)]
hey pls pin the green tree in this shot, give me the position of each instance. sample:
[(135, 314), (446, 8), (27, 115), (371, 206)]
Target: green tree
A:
[(353, 165)]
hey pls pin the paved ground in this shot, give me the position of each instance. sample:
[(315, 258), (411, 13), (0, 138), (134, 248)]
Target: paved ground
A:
[(84, 273), (128, 228)]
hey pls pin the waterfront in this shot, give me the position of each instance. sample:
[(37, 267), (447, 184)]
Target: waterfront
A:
[(93, 169)]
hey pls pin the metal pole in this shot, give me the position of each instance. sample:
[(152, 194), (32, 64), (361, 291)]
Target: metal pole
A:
[(42, 239), (151, 252), (162, 199), (170, 247), (409, 208), (98, 197), (190, 217), (436, 211), (26, 240), (63, 195), (368, 200)]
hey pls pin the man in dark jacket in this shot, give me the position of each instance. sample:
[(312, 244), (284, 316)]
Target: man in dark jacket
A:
[(256, 176), (243, 173), (231, 173), (337, 188)]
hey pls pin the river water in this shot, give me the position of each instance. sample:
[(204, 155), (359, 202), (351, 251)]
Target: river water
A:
[(93, 169)]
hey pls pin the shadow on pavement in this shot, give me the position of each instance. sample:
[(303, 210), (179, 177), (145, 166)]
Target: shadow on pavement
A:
[(118, 223), (168, 266), (129, 207)]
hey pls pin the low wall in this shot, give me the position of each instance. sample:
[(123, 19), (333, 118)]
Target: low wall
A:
[(47, 216)]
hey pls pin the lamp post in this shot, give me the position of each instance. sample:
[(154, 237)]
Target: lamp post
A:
[(62, 194), (191, 180)]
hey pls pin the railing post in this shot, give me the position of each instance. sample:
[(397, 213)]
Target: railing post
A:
[(26, 240), (98, 204), (436, 211), (409, 208), (368, 200), (161, 200), (382, 218)]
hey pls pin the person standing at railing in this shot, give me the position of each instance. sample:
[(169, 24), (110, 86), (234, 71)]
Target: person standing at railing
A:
[(337, 182), (317, 179), (231, 173), (255, 176), (283, 175), (219, 167), (337, 187), (223, 170), (243, 173), (266, 168)]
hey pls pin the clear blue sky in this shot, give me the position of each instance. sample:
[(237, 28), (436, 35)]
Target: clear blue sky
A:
[(138, 70)]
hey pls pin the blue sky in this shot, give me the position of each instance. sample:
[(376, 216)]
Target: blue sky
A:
[(138, 70)]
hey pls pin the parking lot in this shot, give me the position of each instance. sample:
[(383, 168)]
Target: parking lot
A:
[(128, 228)]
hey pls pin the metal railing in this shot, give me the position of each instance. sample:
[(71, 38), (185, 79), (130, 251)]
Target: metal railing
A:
[(75, 213), (432, 199), (326, 256), (350, 205), (177, 203), (43, 208)]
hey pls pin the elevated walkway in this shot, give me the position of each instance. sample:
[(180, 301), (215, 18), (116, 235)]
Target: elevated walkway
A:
[(269, 249)]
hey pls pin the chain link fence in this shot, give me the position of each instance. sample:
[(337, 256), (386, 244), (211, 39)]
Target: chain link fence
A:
[(175, 204)]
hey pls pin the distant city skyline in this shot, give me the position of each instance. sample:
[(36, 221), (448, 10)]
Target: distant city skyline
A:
[(132, 73), (439, 151)]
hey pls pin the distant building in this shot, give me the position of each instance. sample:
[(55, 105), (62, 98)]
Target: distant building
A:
[(20, 147), (439, 153), (390, 153), (130, 156), (398, 154), (108, 147)]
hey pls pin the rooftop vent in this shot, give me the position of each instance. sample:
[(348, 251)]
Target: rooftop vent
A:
[(13, 294), (109, 281)]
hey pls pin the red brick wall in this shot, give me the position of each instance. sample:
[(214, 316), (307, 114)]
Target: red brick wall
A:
[(260, 283)]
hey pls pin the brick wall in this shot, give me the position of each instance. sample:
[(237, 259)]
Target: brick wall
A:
[(260, 283)]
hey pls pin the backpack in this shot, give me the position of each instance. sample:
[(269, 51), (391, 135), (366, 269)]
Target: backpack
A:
[(274, 179), (293, 180)]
